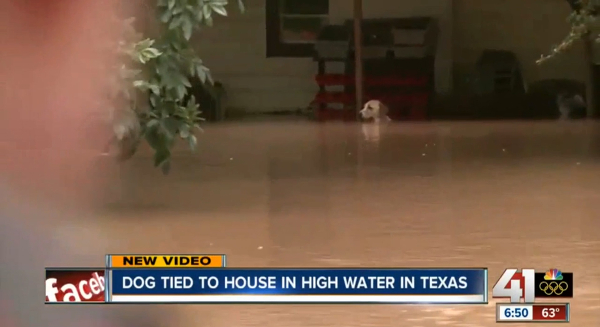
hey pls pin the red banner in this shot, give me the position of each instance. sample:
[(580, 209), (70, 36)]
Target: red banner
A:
[(75, 285)]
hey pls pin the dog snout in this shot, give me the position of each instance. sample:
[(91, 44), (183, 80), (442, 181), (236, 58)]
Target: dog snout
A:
[(366, 113)]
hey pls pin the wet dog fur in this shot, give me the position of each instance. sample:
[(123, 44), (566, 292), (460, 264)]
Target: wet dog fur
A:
[(375, 110), (377, 113)]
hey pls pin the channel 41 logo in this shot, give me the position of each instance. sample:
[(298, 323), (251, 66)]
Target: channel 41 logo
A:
[(527, 285)]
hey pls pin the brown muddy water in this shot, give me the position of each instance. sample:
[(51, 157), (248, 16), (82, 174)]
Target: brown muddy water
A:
[(299, 194)]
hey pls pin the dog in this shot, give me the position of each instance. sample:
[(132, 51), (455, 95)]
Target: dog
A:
[(571, 106), (376, 110)]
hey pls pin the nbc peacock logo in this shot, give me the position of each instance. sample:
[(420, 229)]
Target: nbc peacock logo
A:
[(553, 274), (554, 283)]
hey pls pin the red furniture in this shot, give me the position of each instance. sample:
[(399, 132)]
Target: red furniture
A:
[(407, 96), (398, 69)]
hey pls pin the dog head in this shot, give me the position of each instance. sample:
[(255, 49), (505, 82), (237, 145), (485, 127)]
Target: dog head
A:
[(375, 110)]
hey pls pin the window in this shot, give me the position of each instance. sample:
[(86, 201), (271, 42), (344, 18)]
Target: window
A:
[(293, 26)]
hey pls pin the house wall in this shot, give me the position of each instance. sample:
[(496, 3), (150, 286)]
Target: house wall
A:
[(236, 54), (528, 28), (235, 46)]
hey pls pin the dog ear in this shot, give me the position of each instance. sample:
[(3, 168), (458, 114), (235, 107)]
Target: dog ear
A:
[(384, 110), (376, 105)]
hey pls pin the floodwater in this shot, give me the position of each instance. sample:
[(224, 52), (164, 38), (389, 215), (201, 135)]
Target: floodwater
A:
[(299, 194)]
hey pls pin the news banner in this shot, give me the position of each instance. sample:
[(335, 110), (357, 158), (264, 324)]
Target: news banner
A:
[(206, 279)]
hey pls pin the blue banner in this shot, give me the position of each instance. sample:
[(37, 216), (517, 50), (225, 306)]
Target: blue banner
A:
[(299, 285)]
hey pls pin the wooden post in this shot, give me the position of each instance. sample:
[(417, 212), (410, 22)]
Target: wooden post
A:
[(358, 63)]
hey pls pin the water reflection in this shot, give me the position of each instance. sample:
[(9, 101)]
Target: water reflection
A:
[(299, 194)]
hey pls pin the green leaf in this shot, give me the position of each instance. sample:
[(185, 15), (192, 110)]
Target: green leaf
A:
[(154, 52), (153, 114), (185, 81), (177, 46), (154, 139), (172, 78), (166, 167), (187, 27), (150, 53), (199, 16), (152, 123), (170, 126), (206, 11), (166, 16), (205, 72), (154, 88), (178, 10), (184, 132), (154, 100), (143, 86), (140, 84), (192, 105), (171, 4), (201, 73), (192, 142), (219, 9), (146, 43), (181, 91), (176, 22), (241, 6), (161, 156)]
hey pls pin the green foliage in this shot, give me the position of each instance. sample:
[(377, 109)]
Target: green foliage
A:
[(154, 79), (585, 23)]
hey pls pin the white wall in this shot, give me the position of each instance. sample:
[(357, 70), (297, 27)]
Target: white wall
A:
[(236, 53)]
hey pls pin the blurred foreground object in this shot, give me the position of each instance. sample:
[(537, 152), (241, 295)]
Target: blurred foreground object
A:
[(29, 250), (52, 76), (52, 66)]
